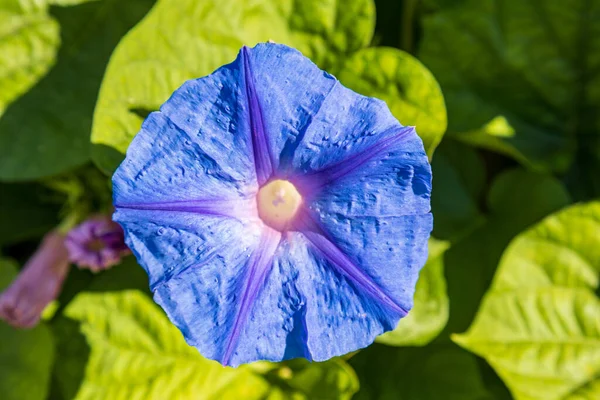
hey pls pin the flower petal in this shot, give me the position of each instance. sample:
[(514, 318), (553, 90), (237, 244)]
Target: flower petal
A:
[(347, 267), (394, 182), (312, 120), (306, 308), (310, 309), (210, 303), (167, 244), (387, 252), (379, 216), (275, 329), (172, 159), (291, 90), (236, 289), (260, 143)]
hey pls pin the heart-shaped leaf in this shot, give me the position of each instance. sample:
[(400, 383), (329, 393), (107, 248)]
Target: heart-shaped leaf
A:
[(539, 324)]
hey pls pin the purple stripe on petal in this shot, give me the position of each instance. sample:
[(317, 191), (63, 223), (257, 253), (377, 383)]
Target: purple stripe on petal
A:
[(313, 181), (260, 145), (315, 235), (239, 209), (259, 266)]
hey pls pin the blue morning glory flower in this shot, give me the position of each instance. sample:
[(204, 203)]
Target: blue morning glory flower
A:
[(278, 214)]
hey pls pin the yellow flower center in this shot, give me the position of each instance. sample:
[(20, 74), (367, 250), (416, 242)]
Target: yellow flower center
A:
[(278, 203)]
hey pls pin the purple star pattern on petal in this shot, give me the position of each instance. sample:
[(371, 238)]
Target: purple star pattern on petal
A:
[(277, 213)]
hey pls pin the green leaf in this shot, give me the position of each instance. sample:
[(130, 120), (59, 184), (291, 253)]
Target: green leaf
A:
[(387, 29), (458, 181), (409, 89), (25, 212), (72, 349), (430, 312), (520, 77), (135, 352), (539, 324), (47, 130), (432, 372), (72, 354), (303, 379), (516, 200), (26, 356), (186, 39), (125, 276), (29, 39), (68, 2)]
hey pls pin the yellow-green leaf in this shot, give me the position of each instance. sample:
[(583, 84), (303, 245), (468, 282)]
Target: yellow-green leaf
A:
[(186, 39), (136, 353), (539, 324)]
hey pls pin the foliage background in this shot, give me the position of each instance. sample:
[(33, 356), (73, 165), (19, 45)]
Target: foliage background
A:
[(506, 97)]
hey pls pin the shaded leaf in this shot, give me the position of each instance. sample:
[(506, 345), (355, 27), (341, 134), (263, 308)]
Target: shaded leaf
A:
[(409, 89), (193, 38), (516, 200), (432, 372), (29, 39), (459, 178), (472, 260), (520, 77), (47, 130), (137, 353), (387, 29), (125, 276), (539, 324), (26, 356), (25, 212), (72, 354), (430, 312)]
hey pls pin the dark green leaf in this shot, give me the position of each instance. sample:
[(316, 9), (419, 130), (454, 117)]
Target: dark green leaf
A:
[(72, 354), (25, 212), (432, 372), (520, 77), (47, 130), (25, 355), (517, 199), (458, 183)]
